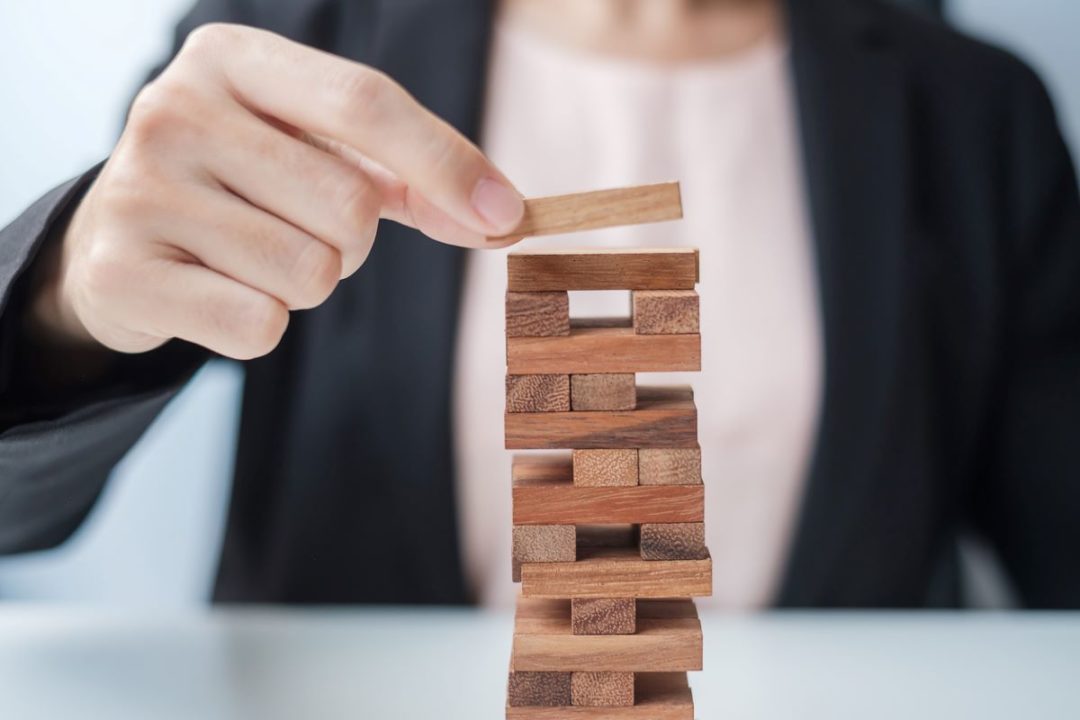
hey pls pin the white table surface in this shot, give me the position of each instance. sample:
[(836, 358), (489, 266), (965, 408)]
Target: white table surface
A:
[(60, 663)]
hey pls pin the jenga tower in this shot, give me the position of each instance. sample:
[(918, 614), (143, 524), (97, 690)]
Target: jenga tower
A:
[(609, 537)]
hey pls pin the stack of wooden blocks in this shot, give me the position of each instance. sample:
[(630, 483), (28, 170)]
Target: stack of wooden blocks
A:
[(608, 538)]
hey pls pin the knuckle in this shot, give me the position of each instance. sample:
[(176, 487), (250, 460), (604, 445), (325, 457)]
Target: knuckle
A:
[(317, 270), (104, 269), (361, 94), (159, 111), (359, 203), (210, 38), (261, 325)]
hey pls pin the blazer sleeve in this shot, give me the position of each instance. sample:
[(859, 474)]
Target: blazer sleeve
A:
[(1029, 504), (58, 445)]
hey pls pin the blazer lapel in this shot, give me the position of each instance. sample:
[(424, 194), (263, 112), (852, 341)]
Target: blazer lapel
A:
[(851, 101)]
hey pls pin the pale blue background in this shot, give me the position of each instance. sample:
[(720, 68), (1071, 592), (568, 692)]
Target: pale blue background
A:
[(67, 69)]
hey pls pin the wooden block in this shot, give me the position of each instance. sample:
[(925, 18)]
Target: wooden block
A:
[(597, 269), (539, 689), (605, 468), (602, 689), (666, 312), (603, 616), (604, 391), (658, 696), (593, 350), (562, 503), (617, 572), (665, 417), (544, 641), (542, 544), (537, 393), (558, 214), (676, 541), (538, 467), (669, 466), (537, 314)]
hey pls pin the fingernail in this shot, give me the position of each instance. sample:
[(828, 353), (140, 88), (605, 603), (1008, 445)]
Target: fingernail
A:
[(498, 204)]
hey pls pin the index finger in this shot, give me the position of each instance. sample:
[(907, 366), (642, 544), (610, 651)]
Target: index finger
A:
[(363, 108)]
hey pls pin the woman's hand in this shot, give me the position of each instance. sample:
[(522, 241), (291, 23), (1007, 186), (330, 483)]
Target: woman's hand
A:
[(248, 181)]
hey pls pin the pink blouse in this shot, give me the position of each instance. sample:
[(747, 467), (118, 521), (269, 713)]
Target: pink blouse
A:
[(561, 121)]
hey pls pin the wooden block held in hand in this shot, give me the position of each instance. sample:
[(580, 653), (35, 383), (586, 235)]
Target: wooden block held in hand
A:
[(596, 269), (592, 349), (558, 214), (665, 417), (602, 689), (605, 468), (666, 312), (537, 393), (669, 466), (604, 391), (539, 689), (603, 616), (674, 541), (543, 544), (537, 314)]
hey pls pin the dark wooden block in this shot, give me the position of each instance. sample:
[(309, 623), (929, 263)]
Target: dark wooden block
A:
[(666, 312), (621, 269), (539, 689), (673, 541), (537, 314), (603, 616), (537, 393), (591, 350)]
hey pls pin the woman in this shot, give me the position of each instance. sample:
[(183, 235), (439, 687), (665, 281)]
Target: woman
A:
[(888, 221)]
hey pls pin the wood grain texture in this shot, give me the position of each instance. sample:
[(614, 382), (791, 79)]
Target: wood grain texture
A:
[(537, 393), (665, 417), (669, 466), (605, 468), (603, 616), (539, 689), (537, 467), (666, 312), (542, 544), (551, 503), (658, 696), (603, 391), (543, 640), (602, 689), (593, 350), (558, 214), (675, 541), (602, 269), (617, 572), (537, 314)]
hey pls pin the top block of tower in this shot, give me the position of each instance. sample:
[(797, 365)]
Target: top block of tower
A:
[(598, 269)]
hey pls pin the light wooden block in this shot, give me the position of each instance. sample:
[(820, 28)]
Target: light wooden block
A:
[(605, 468), (602, 689), (657, 696), (537, 314), (597, 269), (542, 544), (603, 616), (665, 417), (669, 466), (537, 393), (592, 350), (675, 541), (617, 572), (604, 391), (560, 502), (539, 689), (544, 641), (666, 312)]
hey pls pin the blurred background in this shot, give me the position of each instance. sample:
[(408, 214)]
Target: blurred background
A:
[(67, 71)]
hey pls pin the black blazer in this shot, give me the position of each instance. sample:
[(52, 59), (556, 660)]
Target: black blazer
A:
[(946, 220)]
